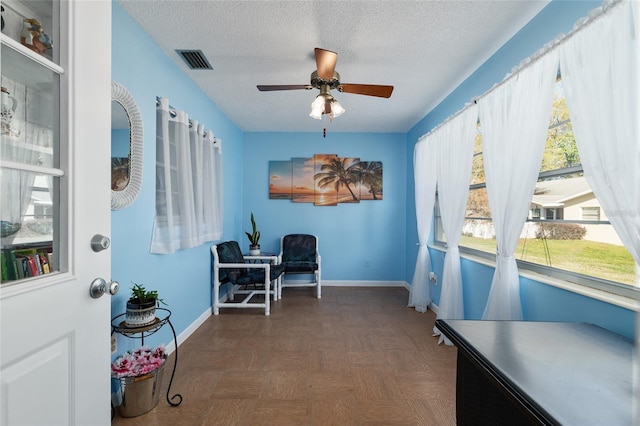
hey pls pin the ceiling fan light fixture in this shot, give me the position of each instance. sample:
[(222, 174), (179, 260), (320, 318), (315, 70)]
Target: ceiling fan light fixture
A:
[(317, 107), (336, 109)]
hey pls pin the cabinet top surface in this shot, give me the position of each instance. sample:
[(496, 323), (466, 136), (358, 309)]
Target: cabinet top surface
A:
[(578, 373)]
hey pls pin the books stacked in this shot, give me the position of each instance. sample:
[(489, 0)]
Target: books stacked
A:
[(17, 264)]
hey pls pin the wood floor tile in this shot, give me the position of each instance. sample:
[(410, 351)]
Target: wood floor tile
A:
[(329, 385), (229, 412), (368, 360), (239, 385), (329, 361), (281, 412), (285, 360), (333, 412), (424, 385), (284, 385), (383, 412), (376, 385), (358, 356)]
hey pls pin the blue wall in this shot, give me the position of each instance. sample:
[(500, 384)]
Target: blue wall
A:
[(540, 301), (183, 278), (347, 233)]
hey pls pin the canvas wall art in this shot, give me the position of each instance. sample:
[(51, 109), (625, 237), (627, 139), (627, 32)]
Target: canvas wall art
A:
[(325, 180)]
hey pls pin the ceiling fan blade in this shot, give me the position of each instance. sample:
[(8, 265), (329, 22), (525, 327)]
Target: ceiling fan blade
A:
[(367, 89), (270, 88), (326, 63)]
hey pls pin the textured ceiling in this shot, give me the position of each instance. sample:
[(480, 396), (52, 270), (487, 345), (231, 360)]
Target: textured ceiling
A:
[(423, 48)]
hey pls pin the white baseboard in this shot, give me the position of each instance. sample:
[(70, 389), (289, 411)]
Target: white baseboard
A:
[(338, 283), (189, 330)]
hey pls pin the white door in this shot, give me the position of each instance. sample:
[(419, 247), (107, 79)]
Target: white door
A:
[(54, 337)]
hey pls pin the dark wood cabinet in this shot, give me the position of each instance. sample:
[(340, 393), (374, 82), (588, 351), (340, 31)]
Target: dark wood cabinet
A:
[(556, 373)]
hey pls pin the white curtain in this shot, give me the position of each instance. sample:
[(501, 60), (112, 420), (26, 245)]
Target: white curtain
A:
[(424, 166), (599, 67), (454, 141), (25, 141), (600, 78), (514, 119), (188, 209), (212, 188)]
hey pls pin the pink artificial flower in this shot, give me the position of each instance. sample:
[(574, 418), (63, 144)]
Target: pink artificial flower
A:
[(141, 361)]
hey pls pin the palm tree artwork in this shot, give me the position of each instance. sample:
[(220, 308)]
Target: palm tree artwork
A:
[(327, 180), (336, 180), (371, 177)]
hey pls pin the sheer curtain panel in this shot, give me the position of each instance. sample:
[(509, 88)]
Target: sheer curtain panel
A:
[(455, 152), (188, 209), (514, 118), (600, 76), (424, 166), (29, 143)]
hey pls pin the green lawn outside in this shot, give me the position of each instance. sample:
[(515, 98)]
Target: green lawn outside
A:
[(601, 260)]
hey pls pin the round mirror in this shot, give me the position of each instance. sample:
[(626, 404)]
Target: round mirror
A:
[(126, 147)]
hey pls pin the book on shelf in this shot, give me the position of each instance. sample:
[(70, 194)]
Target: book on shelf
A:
[(9, 263), (3, 266), (19, 263)]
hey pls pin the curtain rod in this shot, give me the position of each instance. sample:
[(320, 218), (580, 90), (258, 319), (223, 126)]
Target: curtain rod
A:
[(172, 112), (593, 16)]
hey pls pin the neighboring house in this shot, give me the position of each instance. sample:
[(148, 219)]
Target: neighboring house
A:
[(572, 200), (561, 199)]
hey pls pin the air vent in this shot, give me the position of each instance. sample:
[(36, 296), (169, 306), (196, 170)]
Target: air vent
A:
[(195, 59)]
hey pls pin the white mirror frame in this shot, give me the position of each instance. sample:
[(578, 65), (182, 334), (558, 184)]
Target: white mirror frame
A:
[(121, 199)]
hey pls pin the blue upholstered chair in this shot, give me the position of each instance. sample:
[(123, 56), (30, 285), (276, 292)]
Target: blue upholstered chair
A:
[(299, 255), (242, 277)]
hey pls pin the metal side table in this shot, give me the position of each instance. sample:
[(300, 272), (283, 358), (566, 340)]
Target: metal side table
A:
[(162, 317)]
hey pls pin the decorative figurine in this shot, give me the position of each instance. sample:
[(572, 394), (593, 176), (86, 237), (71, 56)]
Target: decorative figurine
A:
[(34, 37)]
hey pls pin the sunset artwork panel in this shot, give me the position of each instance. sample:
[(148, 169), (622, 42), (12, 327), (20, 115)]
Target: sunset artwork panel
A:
[(280, 180), (302, 182), (325, 180), (323, 196)]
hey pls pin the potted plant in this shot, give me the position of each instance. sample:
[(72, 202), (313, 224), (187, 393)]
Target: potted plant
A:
[(141, 306), (254, 238)]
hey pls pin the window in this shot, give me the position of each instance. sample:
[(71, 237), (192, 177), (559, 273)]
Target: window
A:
[(188, 182), (591, 213), (553, 213), (566, 235)]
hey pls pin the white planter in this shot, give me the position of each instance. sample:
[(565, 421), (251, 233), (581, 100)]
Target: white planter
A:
[(138, 315)]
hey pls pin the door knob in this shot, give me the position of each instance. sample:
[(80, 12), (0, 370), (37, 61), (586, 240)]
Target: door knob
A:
[(99, 287)]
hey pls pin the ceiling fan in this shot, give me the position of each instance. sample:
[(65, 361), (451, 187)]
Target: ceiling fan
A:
[(326, 78)]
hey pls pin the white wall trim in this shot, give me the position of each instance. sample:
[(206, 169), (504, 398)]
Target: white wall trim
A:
[(339, 283), (604, 296), (189, 330)]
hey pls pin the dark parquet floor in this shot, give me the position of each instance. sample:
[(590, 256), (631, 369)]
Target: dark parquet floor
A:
[(358, 356)]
